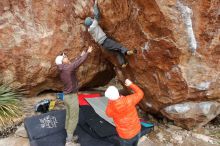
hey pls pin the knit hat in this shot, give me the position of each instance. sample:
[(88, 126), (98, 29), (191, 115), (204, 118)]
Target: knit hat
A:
[(112, 93), (59, 60), (88, 21)]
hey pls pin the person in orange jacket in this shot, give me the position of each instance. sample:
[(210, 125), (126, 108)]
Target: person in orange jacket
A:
[(123, 111)]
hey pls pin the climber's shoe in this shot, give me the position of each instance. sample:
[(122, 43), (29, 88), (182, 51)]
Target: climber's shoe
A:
[(135, 51), (124, 65), (131, 52)]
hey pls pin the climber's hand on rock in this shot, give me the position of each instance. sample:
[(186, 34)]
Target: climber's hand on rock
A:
[(83, 52), (128, 82), (96, 2), (90, 49)]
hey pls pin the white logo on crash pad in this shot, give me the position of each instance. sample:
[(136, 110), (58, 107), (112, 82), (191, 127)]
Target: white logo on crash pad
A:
[(48, 122)]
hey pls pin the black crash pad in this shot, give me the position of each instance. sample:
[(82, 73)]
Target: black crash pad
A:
[(85, 139), (98, 129), (57, 139), (56, 136), (46, 124), (96, 126)]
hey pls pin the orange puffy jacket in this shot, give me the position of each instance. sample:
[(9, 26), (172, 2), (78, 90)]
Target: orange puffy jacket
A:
[(124, 113)]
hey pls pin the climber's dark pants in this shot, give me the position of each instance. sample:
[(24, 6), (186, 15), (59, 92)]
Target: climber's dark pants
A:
[(112, 45)]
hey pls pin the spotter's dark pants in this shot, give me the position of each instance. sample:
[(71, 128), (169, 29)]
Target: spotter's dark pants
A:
[(130, 142)]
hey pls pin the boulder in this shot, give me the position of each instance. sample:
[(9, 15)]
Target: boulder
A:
[(178, 54), (32, 34)]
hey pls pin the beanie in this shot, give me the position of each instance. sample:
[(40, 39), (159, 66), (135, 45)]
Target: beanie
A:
[(88, 21), (59, 60), (112, 93)]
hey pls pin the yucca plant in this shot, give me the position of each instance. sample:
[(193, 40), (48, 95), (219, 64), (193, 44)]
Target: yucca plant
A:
[(10, 105)]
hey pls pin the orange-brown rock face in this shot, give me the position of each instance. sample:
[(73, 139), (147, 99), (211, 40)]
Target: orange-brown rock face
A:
[(32, 33), (178, 59)]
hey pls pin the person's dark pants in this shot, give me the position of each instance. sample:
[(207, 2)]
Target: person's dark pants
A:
[(130, 142), (112, 45)]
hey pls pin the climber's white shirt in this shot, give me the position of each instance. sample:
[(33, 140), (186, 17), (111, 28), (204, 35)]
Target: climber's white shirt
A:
[(97, 33)]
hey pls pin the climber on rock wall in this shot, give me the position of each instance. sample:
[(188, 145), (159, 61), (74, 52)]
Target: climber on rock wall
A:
[(122, 110), (68, 77), (100, 37)]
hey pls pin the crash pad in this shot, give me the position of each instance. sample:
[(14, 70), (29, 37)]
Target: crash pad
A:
[(147, 125), (45, 124), (82, 97), (52, 135), (56, 139), (99, 105), (96, 126), (100, 129), (85, 139)]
